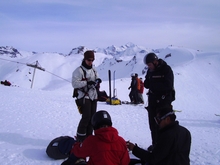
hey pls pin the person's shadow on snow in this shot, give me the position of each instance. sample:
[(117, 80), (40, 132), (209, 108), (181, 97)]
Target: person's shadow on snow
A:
[(34, 153), (18, 139)]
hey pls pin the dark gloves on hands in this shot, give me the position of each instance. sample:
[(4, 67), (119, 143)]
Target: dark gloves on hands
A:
[(73, 160), (68, 162), (91, 83), (98, 80), (94, 83)]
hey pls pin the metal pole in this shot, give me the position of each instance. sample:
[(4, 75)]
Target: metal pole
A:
[(32, 81), (35, 66)]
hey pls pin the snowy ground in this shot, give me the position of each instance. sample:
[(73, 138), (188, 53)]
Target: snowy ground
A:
[(31, 118)]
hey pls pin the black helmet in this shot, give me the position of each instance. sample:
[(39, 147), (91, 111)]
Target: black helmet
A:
[(150, 57), (101, 118)]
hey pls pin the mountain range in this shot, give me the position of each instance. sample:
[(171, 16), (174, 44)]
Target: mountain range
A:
[(17, 66)]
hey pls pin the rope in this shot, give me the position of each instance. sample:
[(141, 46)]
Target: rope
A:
[(12, 61), (44, 70), (58, 76)]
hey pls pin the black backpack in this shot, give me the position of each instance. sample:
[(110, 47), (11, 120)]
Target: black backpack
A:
[(60, 147)]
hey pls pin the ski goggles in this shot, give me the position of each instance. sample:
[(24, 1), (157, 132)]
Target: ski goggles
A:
[(159, 119)]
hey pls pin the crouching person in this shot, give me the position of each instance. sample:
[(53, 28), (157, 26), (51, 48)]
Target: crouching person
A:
[(105, 147), (173, 143)]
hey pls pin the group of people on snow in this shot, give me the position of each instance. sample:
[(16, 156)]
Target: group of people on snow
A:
[(6, 83), (137, 89), (170, 141)]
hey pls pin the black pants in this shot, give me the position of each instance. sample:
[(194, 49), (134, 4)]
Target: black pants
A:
[(133, 95), (88, 109)]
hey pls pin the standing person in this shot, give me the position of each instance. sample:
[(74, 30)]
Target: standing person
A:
[(84, 79), (173, 143), (138, 88), (141, 91), (133, 95), (105, 147), (159, 81)]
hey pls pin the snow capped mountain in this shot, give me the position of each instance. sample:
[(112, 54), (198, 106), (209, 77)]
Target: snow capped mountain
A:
[(128, 49), (78, 50), (9, 51), (124, 60)]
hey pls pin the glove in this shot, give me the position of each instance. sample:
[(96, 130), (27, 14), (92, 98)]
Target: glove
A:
[(72, 160), (67, 162), (98, 80), (91, 83)]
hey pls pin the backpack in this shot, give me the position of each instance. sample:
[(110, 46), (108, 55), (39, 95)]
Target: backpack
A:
[(138, 83), (114, 101), (60, 147)]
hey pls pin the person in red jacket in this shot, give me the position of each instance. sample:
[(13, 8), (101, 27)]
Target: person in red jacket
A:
[(105, 147), (141, 91)]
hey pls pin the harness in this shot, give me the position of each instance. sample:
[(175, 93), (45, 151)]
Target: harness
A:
[(75, 91)]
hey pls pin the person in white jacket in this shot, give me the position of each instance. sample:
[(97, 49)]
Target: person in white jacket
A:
[(85, 79)]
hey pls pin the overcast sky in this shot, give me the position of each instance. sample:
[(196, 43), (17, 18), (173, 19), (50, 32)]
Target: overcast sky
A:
[(60, 25)]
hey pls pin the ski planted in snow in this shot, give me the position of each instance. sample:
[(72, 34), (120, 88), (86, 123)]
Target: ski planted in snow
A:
[(110, 93), (114, 88)]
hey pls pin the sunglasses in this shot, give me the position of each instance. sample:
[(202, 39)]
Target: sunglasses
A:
[(159, 119), (90, 60)]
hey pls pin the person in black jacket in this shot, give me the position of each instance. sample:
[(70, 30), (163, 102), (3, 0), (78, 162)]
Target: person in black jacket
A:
[(159, 81), (133, 95), (173, 143)]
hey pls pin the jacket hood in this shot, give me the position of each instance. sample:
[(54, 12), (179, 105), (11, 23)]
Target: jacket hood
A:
[(108, 134)]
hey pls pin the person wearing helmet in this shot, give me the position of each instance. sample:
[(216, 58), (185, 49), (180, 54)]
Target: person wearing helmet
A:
[(105, 147), (159, 81), (173, 143)]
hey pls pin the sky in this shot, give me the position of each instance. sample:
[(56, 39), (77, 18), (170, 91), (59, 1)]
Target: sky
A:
[(32, 117), (61, 25)]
